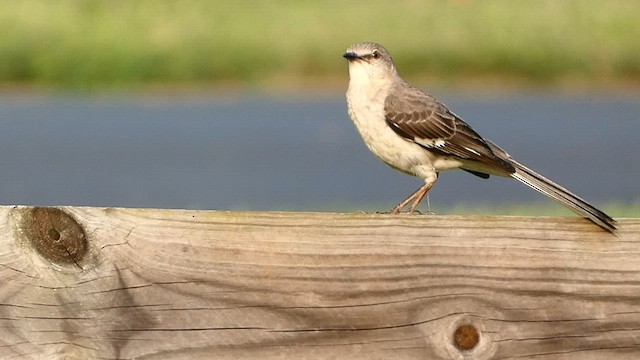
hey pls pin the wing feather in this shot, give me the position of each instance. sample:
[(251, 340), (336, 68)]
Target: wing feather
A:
[(418, 117)]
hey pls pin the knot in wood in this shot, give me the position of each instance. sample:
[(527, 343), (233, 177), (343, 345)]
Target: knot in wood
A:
[(55, 235), (466, 337)]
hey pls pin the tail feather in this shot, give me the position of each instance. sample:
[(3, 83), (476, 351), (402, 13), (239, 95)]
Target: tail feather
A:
[(562, 195)]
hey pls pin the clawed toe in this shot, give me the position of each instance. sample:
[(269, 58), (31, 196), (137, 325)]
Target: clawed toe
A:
[(408, 212), (398, 212)]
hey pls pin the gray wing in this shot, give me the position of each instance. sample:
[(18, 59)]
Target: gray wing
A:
[(420, 118)]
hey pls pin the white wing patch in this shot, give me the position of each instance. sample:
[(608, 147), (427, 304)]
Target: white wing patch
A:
[(437, 143), (473, 151)]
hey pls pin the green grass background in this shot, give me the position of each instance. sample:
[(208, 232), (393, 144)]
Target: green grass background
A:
[(122, 43)]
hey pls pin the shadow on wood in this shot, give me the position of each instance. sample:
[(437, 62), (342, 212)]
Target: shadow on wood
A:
[(111, 283)]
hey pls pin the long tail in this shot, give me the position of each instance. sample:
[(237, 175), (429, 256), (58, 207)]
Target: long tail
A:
[(562, 195)]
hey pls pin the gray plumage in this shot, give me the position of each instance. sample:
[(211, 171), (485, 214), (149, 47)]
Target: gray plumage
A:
[(416, 134)]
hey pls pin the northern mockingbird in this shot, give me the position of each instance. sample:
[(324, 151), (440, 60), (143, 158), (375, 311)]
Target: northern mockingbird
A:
[(416, 134)]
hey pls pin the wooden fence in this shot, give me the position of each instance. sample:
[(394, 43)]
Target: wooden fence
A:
[(113, 283)]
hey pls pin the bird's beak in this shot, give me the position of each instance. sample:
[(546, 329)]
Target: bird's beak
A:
[(350, 55)]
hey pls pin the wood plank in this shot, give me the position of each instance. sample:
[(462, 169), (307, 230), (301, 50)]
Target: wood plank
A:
[(172, 284)]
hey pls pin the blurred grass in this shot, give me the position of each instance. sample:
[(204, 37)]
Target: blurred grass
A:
[(113, 43)]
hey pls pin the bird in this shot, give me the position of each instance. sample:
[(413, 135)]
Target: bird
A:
[(414, 133)]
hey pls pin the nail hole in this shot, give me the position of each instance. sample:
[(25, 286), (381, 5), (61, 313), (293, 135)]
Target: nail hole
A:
[(466, 337), (54, 234)]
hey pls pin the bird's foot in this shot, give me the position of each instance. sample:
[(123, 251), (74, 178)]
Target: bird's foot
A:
[(407, 212), (399, 211)]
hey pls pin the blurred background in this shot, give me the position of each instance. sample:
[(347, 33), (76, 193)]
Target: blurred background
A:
[(240, 105)]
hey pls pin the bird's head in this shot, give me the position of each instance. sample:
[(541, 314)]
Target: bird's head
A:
[(370, 61)]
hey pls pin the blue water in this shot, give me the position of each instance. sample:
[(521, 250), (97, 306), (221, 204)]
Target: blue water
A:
[(256, 152)]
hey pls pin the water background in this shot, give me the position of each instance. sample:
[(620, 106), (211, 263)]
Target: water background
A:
[(255, 152)]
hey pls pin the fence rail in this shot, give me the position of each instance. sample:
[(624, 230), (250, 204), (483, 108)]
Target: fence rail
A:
[(114, 283)]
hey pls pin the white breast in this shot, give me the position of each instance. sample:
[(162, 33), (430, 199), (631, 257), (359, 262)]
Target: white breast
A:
[(366, 109)]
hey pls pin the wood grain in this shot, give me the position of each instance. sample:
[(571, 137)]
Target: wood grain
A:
[(171, 284)]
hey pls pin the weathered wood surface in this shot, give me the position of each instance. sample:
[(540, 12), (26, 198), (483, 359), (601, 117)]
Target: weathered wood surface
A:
[(161, 284)]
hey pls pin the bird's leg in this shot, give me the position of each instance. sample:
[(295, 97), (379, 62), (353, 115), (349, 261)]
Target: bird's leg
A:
[(429, 206), (423, 191), (416, 197), (396, 209)]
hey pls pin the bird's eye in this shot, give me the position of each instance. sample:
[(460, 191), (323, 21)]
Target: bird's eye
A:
[(375, 54)]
